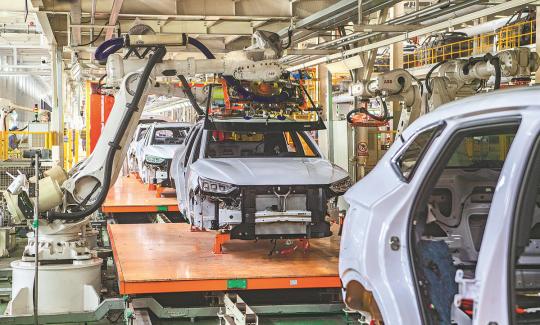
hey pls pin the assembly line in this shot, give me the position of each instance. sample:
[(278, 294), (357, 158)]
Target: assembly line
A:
[(287, 162)]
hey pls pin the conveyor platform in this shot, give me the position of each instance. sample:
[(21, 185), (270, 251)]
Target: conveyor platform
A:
[(159, 258), (129, 195)]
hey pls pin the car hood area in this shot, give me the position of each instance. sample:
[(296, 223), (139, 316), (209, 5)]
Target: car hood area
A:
[(269, 171), (162, 151)]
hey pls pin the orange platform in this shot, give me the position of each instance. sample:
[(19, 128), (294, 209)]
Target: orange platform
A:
[(130, 195), (158, 258)]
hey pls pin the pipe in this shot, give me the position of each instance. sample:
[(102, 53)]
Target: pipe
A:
[(115, 144), (92, 18)]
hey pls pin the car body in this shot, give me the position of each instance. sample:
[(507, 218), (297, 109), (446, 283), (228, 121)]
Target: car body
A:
[(257, 183), (135, 146), (155, 151), (138, 136), (418, 224)]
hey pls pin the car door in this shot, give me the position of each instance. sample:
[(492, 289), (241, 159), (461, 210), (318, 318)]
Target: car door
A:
[(184, 160), (490, 289), (141, 146)]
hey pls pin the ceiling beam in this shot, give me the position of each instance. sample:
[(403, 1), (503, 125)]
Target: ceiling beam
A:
[(113, 18), (386, 28), (43, 21), (309, 52), (75, 18)]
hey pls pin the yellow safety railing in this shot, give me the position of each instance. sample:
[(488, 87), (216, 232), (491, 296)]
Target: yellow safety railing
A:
[(511, 36), (21, 140), (516, 35), (71, 147)]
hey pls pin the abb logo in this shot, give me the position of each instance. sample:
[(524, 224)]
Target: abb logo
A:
[(387, 81)]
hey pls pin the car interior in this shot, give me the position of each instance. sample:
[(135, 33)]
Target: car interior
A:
[(258, 144), (449, 225), (169, 136)]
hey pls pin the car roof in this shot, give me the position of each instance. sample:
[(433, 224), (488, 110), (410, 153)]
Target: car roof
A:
[(499, 100)]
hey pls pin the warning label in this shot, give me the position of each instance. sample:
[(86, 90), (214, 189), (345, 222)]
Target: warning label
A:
[(362, 149)]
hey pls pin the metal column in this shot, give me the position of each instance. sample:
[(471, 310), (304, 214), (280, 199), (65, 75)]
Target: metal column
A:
[(57, 115)]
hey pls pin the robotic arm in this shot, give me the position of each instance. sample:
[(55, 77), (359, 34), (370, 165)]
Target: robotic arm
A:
[(393, 85), (452, 79), (461, 78)]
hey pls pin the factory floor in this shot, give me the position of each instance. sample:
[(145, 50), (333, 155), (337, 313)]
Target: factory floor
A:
[(327, 319)]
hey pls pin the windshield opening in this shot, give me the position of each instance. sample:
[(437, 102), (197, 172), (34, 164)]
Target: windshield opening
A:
[(225, 144), (169, 135)]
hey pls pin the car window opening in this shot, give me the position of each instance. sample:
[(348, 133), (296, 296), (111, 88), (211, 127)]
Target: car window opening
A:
[(225, 144), (451, 215), (164, 136)]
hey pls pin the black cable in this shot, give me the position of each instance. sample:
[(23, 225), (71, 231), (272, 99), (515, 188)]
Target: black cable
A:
[(428, 76), (380, 118), (25, 10), (100, 84), (289, 37), (496, 62), (114, 145), (189, 94), (311, 102), (95, 39), (420, 85)]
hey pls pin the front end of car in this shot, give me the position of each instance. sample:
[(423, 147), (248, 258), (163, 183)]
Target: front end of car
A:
[(270, 211), (157, 169)]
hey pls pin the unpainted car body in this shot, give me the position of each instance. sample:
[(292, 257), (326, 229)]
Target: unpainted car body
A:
[(429, 241), (257, 185), (155, 151)]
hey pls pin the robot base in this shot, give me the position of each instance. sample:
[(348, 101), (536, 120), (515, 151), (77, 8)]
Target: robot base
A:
[(64, 282)]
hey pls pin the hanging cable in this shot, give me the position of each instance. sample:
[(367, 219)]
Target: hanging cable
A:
[(428, 76), (108, 47), (289, 39), (94, 40), (189, 94), (363, 110)]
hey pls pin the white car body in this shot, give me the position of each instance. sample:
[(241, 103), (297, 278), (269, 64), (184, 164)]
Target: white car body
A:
[(375, 254), (135, 146), (275, 175), (148, 147)]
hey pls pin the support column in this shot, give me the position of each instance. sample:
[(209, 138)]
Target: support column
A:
[(396, 62), (330, 115), (57, 114)]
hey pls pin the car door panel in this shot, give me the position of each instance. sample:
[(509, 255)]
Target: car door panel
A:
[(490, 289), (183, 167)]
